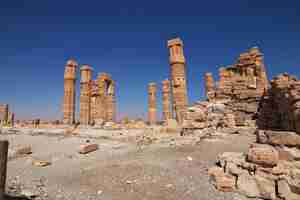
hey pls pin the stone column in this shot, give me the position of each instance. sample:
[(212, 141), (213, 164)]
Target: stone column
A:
[(166, 100), (110, 101), (152, 103), (209, 86), (178, 78), (101, 98), (94, 95), (69, 92), (85, 96)]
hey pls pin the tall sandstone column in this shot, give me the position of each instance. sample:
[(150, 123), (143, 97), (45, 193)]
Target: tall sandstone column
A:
[(101, 100), (85, 94), (178, 77), (152, 103), (69, 92), (166, 100)]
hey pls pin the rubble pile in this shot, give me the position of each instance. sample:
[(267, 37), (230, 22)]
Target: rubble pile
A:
[(269, 170)]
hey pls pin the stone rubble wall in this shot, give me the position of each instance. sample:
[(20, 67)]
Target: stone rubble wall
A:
[(280, 109), (240, 89), (269, 170)]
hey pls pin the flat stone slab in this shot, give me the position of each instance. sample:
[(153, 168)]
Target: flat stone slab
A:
[(87, 148)]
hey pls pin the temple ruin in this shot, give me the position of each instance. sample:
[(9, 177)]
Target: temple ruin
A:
[(97, 97), (178, 78), (152, 110)]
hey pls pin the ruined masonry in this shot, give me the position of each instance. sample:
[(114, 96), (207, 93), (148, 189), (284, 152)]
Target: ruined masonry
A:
[(7, 118), (233, 100), (280, 107), (104, 94)]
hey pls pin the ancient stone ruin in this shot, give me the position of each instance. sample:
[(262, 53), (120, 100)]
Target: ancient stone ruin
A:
[(235, 98), (97, 97), (174, 91), (270, 169), (280, 107)]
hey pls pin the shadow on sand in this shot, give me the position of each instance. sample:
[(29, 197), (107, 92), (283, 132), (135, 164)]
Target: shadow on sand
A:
[(8, 197)]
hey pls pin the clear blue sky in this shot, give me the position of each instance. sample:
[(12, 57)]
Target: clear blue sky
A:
[(128, 40)]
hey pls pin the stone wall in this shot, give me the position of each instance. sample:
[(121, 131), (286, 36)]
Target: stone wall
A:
[(280, 107)]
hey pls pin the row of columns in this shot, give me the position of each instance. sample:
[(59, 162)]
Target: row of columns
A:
[(97, 98)]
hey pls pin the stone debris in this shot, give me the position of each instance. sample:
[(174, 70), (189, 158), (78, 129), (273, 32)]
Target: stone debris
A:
[(24, 150), (87, 148), (262, 172), (41, 163)]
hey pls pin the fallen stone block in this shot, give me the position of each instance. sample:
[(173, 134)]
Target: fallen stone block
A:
[(266, 188), (87, 148), (278, 138), (41, 163), (24, 150), (284, 191), (264, 155), (247, 185), (223, 182)]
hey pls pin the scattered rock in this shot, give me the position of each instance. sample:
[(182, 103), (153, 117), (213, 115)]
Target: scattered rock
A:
[(246, 185), (190, 158), (24, 150), (87, 148), (223, 182), (41, 163), (265, 155)]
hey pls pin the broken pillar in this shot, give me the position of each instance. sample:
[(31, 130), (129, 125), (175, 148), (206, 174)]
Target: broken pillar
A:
[(152, 103), (69, 92), (85, 97), (209, 86), (178, 78)]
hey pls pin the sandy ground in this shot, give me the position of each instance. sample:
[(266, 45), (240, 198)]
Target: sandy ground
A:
[(125, 166)]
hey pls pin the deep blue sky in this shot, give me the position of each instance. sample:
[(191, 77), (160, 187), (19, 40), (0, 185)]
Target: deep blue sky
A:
[(127, 39)]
